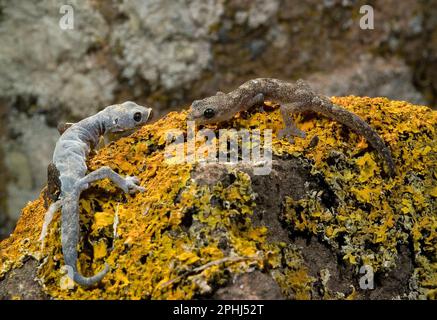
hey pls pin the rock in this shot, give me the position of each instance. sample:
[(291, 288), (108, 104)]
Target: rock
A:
[(155, 50), (250, 286), (21, 284), (166, 43), (325, 223), (372, 77), (26, 158), (54, 66), (166, 54)]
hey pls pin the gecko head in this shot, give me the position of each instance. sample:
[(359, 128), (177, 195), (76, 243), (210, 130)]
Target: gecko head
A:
[(126, 117), (210, 110)]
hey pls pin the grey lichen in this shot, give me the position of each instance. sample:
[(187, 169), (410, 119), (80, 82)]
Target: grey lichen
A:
[(166, 43), (39, 59)]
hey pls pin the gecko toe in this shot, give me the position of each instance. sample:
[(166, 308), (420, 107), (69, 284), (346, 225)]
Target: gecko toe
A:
[(134, 189), (132, 185), (141, 189), (285, 133), (135, 180), (290, 139), (282, 133), (299, 133)]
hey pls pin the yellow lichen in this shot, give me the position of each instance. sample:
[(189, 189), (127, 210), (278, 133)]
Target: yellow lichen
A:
[(375, 214), (294, 279)]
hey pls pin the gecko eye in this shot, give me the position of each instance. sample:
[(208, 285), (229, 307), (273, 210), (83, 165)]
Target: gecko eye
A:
[(209, 113), (137, 116)]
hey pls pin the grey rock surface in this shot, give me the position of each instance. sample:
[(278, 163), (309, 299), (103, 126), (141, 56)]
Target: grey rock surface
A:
[(166, 43), (371, 77), (26, 158), (39, 59)]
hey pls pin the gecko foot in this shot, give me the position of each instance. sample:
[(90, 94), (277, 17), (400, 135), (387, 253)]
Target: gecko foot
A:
[(131, 185), (289, 133), (284, 133)]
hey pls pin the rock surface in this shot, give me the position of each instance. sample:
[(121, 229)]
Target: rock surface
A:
[(166, 54), (213, 230)]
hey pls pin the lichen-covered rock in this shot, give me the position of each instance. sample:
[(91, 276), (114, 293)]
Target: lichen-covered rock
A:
[(325, 210), (166, 53)]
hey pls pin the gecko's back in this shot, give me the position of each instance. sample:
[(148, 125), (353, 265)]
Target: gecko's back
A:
[(274, 89), (73, 148)]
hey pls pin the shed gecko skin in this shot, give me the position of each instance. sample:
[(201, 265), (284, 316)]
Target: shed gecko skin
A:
[(69, 171), (297, 97)]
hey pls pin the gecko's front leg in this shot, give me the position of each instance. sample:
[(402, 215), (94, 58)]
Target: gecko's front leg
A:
[(290, 130), (128, 184), (257, 100)]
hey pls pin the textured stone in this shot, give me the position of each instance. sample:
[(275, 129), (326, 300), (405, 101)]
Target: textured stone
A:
[(38, 59)]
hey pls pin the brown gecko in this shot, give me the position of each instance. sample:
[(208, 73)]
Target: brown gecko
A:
[(298, 97)]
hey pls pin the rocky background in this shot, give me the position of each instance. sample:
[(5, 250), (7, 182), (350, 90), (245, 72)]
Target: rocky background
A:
[(166, 53)]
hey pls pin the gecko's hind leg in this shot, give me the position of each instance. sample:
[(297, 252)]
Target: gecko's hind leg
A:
[(48, 218), (128, 184), (290, 129)]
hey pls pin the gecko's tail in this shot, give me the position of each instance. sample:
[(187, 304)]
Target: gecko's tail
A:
[(70, 240), (88, 281), (361, 127)]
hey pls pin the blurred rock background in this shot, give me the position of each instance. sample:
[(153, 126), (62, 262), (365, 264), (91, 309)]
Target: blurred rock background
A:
[(165, 53)]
